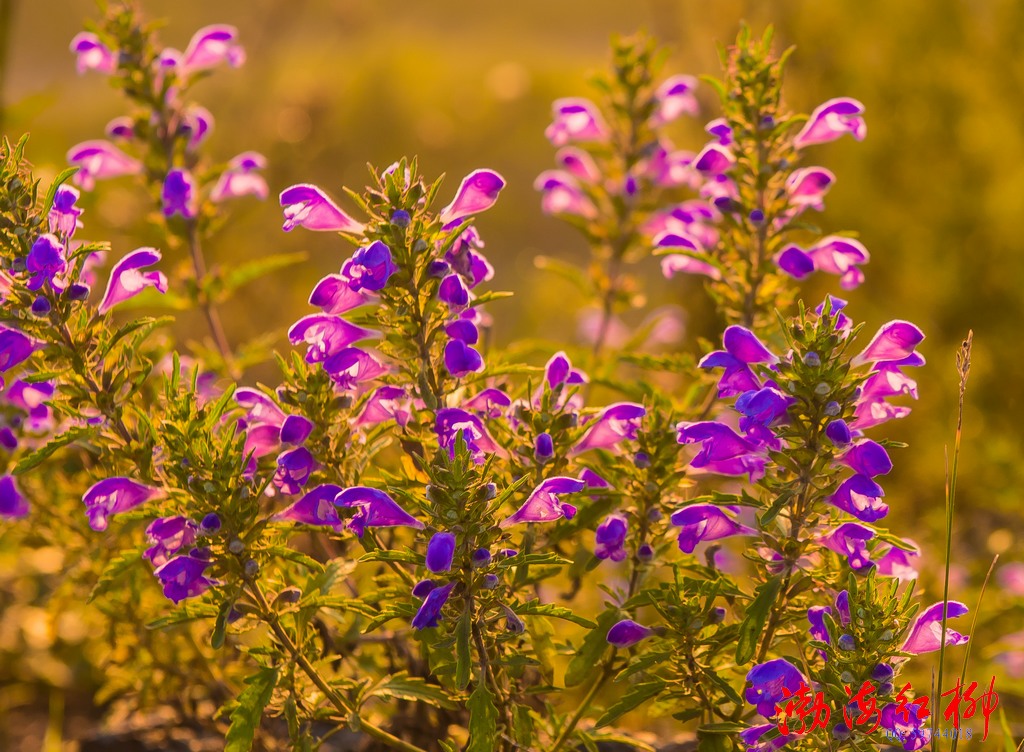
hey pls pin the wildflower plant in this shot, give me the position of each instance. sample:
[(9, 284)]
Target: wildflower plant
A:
[(416, 538)]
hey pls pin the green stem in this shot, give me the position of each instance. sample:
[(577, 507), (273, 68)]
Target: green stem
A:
[(584, 705), (213, 321)]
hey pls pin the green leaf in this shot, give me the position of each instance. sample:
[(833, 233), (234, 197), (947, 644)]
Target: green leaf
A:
[(383, 554), (404, 687), (590, 652), (245, 718), (118, 566), (183, 614), (713, 743), (251, 270), (537, 608), (36, 458), (483, 720), (637, 695), (58, 181), (220, 626), (463, 655), (753, 623)]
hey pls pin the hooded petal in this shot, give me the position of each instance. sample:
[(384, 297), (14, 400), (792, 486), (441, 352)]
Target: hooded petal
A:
[(830, 121), (617, 423), (675, 98), (316, 507), (308, 206), (211, 46), (862, 497), (868, 458), (113, 496), (767, 680), (377, 509), (99, 160), (93, 54), (12, 503), (744, 345), (893, 341), (429, 613), (478, 192), (127, 278), (705, 522), (926, 633), (575, 119), (849, 540), (325, 335), (334, 294), (626, 633), (543, 505), (440, 552)]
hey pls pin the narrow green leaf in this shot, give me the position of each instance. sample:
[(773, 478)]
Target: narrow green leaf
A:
[(753, 623), (483, 720), (463, 655), (220, 626), (404, 687), (58, 181), (36, 458), (549, 609), (118, 566), (245, 718), (252, 270), (637, 695)]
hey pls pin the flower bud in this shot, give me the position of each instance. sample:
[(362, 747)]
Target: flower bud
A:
[(401, 218), (642, 460), (488, 491), (236, 546), (812, 359), (288, 595), (833, 408), (490, 581), (645, 552), (419, 246), (886, 636), (210, 524), (757, 216), (41, 306), (846, 642), (882, 672), (822, 389), (716, 615), (250, 568), (422, 588), (885, 689), (481, 557), (841, 732), (543, 448)]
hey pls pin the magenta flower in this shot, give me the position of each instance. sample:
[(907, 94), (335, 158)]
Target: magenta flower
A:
[(46, 263), (627, 633), (325, 335), (99, 160), (374, 508), (261, 439), (562, 195), (850, 540), (610, 538), (477, 192), (559, 371), (334, 294), (714, 159), (429, 613), (705, 522), (887, 380), (833, 255), (818, 630), (926, 632), (211, 46), (723, 451), (386, 403), (316, 507), (544, 505), (307, 206), (893, 341), (180, 194), (168, 536), (867, 458), (720, 129), (127, 278), (370, 267), (838, 432), (13, 504), (904, 725), (830, 121), (694, 219), (63, 216), (183, 576), (807, 187), (762, 408), (675, 98), (293, 470), (113, 496), (451, 422), (93, 54), (862, 497), (260, 408), (742, 348), (767, 681), (15, 348), (616, 423), (241, 178), (465, 259), (489, 403), (296, 429), (30, 399), (121, 127), (578, 163), (440, 552), (575, 119), (675, 263), (352, 366), (461, 360), (900, 562), (453, 292)]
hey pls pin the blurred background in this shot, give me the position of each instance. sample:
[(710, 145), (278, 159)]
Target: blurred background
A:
[(936, 191)]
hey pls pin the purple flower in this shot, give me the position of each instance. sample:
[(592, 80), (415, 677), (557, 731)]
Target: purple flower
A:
[(352, 366), (850, 540), (720, 129), (543, 448), (121, 127), (742, 348), (196, 122), (30, 399), (887, 380), (463, 330), (113, 496), (316, 507), (451, 421), (99, 160), (544, 505), (325, 335), (93, 54), (834, 255), (559, 371), (259, 407), (440, 552), (490, 403), (13, 504), (575, 119), (183, 577), (211, 46), (762, 407), (807, 187), (308, 206), (429, 613), (241, 178), (616, 423), (913, 733), (675, 98), (465, 259), (422, 588), (723, 451), (168, 536), (626, 633), (386, 403), (374, 508), (843, 607), (127, 280), (453, 291), (830, 121), (684, 262), (705, 522), (562, 195), (893, 341), (926, 633), (334, 294), (460, 359), (867, 458), (818, 630), (694, 219), (296, 429), (862, 497), (293, 470), (838, 433), (767, 681), (15, 348), (751, 737), (578, 163), (46, 262), (180, 195), (714, 159), (370, 267), (477, 192), (610, 538), (899, 562), (63, 216)]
